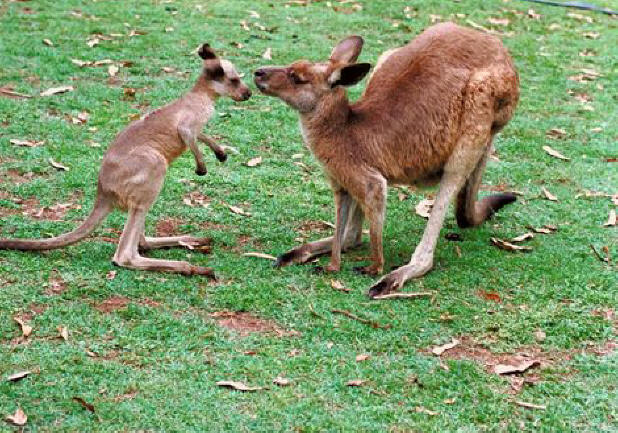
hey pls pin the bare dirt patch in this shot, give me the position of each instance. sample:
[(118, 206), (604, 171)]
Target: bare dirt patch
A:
[(147, 302), (168, 226), (113, 304), (310, 226), (245, 323), (55, 284), (15, 177)]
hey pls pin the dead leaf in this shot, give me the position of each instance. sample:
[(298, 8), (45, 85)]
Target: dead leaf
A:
[(549, 195), (362, 357), (556, 133), (439, 350), (10, 93), (282, 381), (16, 377), (611, 219), (26, 143), (58, 165), (545, 230), (26, 329), (450, 401), (168, 69), (260, 255), (112, 70), (490, 296), (591, 35), (338, 285), (110, 275), (85, 404), (238, 211), (423, 208), (422, 409), (268, 54), (507, 246), (48, 42), (499, 21), (238, 386), (64, 332), (56, 90), (510, 369), (580, 17), (356, 382), (533, 15), (530, 405), (254, 162), (522, 238), (19, 418), (93, 42), (539, 335)]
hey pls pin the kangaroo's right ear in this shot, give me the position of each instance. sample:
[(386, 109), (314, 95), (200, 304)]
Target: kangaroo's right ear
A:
[(206, 52), (348, 50), (349, 75)]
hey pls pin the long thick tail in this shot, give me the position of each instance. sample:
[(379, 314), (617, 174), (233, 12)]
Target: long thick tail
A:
[(102, 208), (469, 211)]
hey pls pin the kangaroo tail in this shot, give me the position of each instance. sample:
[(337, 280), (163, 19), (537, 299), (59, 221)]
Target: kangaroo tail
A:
[(102, 208)]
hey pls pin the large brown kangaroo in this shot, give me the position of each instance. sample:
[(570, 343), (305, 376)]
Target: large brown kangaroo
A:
[(134, 167), (429, 113)]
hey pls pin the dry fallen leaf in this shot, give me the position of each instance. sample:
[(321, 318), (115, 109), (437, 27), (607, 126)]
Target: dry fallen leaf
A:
[(64, 332), (238, 386), (268, 54), (530, 405), (338, 285), (254, 162), (539, 335), (591, 35), (510, 369), (549, 195), (507, 246), (238, 210), (260, 255), (556, 133), (57, 165), (522, 238), (48, 42), (85, 404), (282, 381), (8, 92), (422, 409), (26, 143), (439, 350), (19, 418), (499, 21), (16, 377), (356, 382), (611, 219), (555, 153), (362, 357), (547, 229), (112, 70), (26, 329), (110, 275), (423, 208), (56, 90)]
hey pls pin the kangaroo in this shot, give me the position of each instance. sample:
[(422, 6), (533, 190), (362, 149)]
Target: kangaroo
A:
[(133, 169), (429, 113)]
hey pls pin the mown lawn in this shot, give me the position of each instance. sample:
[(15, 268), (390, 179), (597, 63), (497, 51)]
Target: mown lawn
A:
[(145, 348)]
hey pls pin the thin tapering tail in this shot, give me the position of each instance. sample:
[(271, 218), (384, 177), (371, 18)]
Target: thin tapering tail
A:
[(102, 208)]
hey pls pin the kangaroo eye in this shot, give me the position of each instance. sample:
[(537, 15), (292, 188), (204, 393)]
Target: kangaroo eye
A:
[(235, 81), (296, 79)]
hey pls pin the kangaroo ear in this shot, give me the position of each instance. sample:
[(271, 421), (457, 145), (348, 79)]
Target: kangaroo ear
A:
[(206, 53), (348, 50), (349, 75)]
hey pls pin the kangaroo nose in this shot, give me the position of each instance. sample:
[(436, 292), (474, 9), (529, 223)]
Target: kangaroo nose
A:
[(259, 73)]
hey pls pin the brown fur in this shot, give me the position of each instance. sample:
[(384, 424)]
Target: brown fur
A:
[(429, 112), (134, 167)]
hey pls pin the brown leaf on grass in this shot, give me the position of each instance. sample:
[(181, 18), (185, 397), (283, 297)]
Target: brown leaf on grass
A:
[(88, 406), (555, 133), (586, 75), (533, 15), (260, 256), (611, 219), (547, 229), (238, 211), (507, 246), (362, 357), (549, 195), (254, 162), (110, 275), (238, 386), (489, 296), (26, 329), (64, 332), (57, 165), (112, 70), (422, 409), (196, 198), (499, 21), (56, 90), (168, 69), (519, 368), (19, 418), (530, 405), (16, 377), (591, 35), (439, 350), (522, 238), (356, 382), (8, 92), (26, 143), (48, 42), (539, 335), (423, 208), (338, 285), (92, 42), (282, 381), (268, 54), (580, 17)]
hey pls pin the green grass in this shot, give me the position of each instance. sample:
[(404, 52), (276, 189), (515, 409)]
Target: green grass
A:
[(171, 355)]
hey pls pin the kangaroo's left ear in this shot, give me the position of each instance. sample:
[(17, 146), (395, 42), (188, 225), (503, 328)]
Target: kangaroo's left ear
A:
[(206, 52), (348, 75), (348, 50)]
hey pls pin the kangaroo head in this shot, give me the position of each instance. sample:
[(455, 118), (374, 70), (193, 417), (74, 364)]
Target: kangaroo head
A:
[(222, 76), (303, 84)]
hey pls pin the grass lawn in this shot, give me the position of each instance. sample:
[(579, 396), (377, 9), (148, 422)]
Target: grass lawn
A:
[(146, 349)]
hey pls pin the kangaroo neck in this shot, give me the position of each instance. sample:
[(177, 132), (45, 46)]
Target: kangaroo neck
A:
[(331, 116)]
